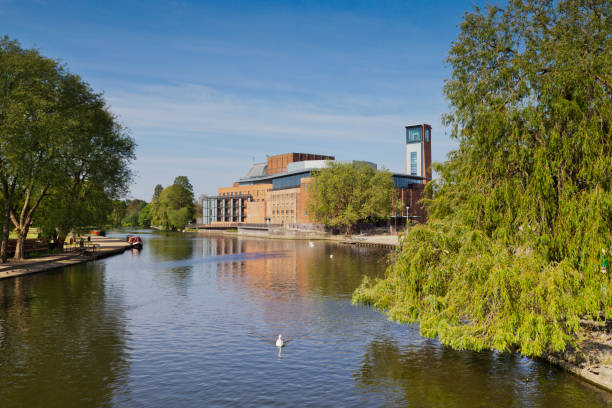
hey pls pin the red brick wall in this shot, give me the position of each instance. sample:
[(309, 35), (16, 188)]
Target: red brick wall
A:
[(278, 164), (411, 197), (303, 217)]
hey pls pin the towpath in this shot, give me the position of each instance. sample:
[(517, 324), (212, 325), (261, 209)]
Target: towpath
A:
[(99, 247)]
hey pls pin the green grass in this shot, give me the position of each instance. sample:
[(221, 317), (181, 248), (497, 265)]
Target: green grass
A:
[(32, 233)]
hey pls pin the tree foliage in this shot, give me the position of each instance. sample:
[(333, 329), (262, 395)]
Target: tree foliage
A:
[(346, 193), (173, 207), (93, 165), (509, 257), (57, 140), (144, 216)]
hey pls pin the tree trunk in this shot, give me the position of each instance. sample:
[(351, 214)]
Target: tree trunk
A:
[(8, 191), (22, 225), (5, 230), (21, 237), (60, 242), (60, 238)]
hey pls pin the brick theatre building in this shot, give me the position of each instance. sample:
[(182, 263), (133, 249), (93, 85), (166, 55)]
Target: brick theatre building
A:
[(276, 191)]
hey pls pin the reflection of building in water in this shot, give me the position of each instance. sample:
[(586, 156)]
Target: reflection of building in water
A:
[(280, 292), (292, 268), (278, 269)]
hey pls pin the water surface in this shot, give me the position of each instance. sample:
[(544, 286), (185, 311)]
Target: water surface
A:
[(190, 321)]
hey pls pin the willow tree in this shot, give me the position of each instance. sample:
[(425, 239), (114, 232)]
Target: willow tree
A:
[(345, 193), (523, 208)]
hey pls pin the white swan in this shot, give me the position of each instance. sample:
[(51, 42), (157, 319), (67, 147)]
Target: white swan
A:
[(279, 341), (311, 244), (331, 256)]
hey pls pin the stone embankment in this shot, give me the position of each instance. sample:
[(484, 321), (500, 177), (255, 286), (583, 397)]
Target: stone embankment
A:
[(98, 247), (592, 358), (389, 241)]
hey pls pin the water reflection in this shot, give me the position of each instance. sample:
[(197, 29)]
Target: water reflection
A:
[(292, 268), (62, 340), (192, 321), (169, 246), (433, 376)]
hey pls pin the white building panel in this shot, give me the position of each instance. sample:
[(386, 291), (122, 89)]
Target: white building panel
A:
[(414, 148)]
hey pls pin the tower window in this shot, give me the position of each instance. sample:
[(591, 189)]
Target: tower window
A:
[(414, 135), (413, 163)]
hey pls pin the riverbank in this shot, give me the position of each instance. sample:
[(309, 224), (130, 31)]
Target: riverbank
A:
[(103, 247), (591, 360), (384, 240)]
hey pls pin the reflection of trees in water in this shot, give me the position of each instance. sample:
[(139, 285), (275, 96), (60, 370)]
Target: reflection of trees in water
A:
[(300, 269), (280, 288), (342, 274), (62, 340), (429, 375), (170, 246)]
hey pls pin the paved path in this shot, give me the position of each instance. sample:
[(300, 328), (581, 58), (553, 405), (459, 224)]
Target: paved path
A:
[(99, 247)]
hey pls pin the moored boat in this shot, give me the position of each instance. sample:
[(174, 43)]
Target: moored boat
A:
[(135, 241)]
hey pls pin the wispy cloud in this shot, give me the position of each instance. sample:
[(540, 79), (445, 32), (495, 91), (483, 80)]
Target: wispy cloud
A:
[(212, 136), (194, 108)]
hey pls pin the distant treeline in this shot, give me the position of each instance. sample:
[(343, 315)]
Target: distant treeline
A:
[(171, 208)]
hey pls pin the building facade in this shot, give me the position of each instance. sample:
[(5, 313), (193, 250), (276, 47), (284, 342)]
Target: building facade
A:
[(277, 191), (226, 209), (418, 151)]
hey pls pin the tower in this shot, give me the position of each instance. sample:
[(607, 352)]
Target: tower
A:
[(418, 151)]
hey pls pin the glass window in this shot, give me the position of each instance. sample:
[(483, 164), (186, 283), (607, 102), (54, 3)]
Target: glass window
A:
[(427, 134), (413, 163), (413, 134), (291, 181)]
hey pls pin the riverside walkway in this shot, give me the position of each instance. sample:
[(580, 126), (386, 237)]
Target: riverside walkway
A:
[(98, 247)]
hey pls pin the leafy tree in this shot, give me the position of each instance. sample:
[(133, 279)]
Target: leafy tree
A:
[(157, 191), (54, 131), (61, 211), (509, 257), (345, 193), (197, 208), (167, 211), (179, 218), (135, 206), (119, 208), (94, 164), (184, 181), (155, 211), (132, 213), (30, 130), (130, 220), (144, 216)]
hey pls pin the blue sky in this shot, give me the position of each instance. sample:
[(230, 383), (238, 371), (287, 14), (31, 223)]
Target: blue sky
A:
[(207, 87)]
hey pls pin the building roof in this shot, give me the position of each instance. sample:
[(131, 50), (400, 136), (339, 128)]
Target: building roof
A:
[(257, 170), (307, 168)]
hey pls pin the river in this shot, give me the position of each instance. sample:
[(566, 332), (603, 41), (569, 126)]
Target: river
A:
[(191, 321)]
